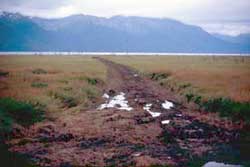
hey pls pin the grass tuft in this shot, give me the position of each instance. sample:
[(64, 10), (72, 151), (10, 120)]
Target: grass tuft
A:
[(39, 71), (67, 100), (91, 93), (228, 108), (92, 81), (167, 138), (5, 122), (4, 73), (39, 85), (189, 97), (12, 111), (158, 76)]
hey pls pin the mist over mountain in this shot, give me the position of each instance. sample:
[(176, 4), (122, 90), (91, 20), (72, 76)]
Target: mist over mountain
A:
[(243, 39), (116, 34)]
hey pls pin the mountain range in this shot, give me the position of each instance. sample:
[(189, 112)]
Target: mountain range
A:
[(84, 33)]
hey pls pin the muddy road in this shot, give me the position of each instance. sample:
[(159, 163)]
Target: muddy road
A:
[(137, 124)]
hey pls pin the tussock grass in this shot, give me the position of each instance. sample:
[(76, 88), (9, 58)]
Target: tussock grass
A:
[(211, 77), (4, 73), (68, 101), (39, 85), (236, 111), (12, 111), (158, 76), (214, 84), (92, 81), (5, 122), (40, 75), (39, 71), (228, 108)]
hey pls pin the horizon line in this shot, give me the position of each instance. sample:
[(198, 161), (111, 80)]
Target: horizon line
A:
[(55, 53)]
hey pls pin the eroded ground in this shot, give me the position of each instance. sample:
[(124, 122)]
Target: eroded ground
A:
[(114, 136)]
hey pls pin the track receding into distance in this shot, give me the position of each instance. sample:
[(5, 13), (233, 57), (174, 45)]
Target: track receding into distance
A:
[(138, 123)]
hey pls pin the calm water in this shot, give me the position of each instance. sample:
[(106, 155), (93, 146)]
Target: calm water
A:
[(120, 53)]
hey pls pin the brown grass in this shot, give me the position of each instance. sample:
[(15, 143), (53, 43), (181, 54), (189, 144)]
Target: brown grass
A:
[(65, 76), (208, 76)]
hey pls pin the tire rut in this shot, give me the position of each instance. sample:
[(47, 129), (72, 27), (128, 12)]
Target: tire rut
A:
[(111, 137)]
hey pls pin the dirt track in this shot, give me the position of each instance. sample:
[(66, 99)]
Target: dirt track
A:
[(122, 138)]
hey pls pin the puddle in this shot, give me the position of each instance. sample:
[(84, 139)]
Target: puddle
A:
[(167, 105), (136, 75), (165, 122), (153, 114), (216, 164), (137, 154), (119, 102), (105, 96), (147, 107)]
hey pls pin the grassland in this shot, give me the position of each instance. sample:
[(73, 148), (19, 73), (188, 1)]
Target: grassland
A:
[(76, 81), (73, 83), (56, 83), (210, 77)]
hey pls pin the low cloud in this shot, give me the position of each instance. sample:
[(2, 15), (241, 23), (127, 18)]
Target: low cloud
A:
[(190, 11), (227, 28)]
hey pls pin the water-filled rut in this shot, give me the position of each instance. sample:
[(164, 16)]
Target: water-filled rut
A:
[(138, 123)]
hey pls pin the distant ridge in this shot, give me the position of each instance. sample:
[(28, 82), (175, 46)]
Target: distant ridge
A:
[(84, 33)]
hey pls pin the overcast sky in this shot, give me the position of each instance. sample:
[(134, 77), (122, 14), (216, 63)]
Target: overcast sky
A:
[(213, 15)]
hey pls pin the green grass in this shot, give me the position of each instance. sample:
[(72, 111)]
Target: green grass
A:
[(197, 99), (67, 100), (91, 93), (68, 89), (198, 162), (224, 153), (167, 138), (158, 76), (39, 85), (92, 81), (236, 111), (244, 145), (189, 97), (3, 73), (229, 108), (39, 71), (5, 122), (12, 111)]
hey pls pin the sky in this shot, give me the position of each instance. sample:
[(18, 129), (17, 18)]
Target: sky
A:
[(216, 16)]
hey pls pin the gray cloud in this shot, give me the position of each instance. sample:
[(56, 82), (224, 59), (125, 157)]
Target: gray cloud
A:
[(185, 9), (191, 11), (32, 4)]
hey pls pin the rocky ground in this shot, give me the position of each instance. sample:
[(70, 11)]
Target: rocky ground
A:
[(146, 126)]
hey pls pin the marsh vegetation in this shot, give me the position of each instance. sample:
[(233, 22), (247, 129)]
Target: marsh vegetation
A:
[(60, 96)]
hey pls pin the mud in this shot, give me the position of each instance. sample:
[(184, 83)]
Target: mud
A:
[(112, 137)]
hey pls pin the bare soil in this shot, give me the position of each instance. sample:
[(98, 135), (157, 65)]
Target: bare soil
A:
[(112, 137)]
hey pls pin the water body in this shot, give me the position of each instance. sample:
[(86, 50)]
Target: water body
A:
[(120, 54)]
